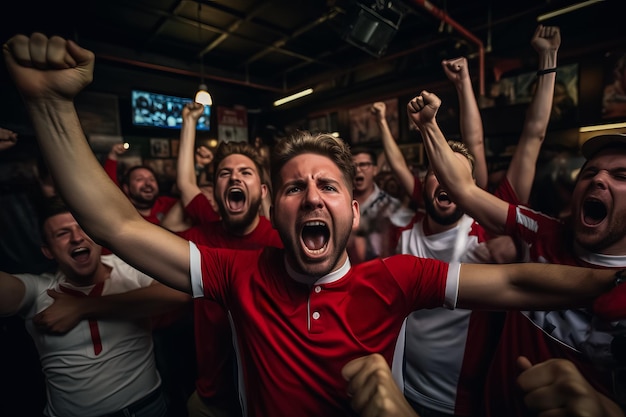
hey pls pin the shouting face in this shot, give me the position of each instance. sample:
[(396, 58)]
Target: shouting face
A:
[(599, 203), (238, 193), (314, 213)]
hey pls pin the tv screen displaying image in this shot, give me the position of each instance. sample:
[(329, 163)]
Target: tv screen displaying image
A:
[(160, 110)]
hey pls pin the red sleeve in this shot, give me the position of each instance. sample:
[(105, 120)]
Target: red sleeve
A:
[(506, 193), (200, 210), (110, 167)]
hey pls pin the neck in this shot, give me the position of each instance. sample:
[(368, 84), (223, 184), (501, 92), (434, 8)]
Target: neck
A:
[(101, 274), (431, 227)]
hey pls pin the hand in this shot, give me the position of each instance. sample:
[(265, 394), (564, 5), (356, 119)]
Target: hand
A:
[(556, 387), (373, 390), (423, 108), (48, 68), (192, 112), (62, 315), (203, 155), (546, 38), (379, 109), (117, 150), (8, 138), (456, 69), (497, 250)]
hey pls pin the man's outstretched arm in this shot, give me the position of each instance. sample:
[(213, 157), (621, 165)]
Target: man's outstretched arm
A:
[(49, 73)]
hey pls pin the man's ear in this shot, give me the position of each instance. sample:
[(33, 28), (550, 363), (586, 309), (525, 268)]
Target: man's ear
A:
[(356, 214), (46, 252), (263, 190)]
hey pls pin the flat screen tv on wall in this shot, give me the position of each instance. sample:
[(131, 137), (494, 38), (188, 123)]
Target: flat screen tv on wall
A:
[(163, 111)]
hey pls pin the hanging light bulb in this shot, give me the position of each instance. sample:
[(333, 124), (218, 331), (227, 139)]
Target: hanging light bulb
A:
[(202, 96)]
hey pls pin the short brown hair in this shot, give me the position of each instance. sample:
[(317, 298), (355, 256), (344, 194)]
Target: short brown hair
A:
[(323, 144), (225, 149)]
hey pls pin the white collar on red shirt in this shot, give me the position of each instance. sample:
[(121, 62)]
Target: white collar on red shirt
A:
[(599, 259), (326, 279)]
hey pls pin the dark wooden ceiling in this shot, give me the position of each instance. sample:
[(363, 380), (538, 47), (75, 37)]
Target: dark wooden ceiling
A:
[(282, 46)]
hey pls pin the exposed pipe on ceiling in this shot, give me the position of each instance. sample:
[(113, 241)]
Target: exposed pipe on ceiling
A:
[(443, 16), (163, 68)]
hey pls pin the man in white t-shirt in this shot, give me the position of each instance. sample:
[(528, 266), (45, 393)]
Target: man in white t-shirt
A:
[(99, 367)]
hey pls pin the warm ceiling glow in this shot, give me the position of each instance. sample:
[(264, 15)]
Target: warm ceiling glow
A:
[(602, 127), (567, 9), (293, 97)]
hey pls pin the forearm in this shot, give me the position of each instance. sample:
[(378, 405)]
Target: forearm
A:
[(395, 158), (531, 286), (521, 171), (471, 126), (12, 292), (78, 176), (141, 303), (185, 169)]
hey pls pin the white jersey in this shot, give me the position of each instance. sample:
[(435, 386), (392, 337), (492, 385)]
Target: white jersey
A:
[(80, 382), (437, 352)]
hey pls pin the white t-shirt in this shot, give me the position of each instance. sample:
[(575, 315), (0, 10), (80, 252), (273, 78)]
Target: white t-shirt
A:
[(79, 382)]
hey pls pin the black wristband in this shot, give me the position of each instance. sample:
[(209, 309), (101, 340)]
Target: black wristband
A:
[(545, 71)]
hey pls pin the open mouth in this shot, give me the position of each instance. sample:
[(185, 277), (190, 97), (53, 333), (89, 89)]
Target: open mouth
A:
[(594, 211), (315, 236), (358, 180), (443, 197), (80, 254), (236, 199)]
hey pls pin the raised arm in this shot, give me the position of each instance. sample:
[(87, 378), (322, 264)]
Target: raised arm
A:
[(487, 209), (49, 73), (471, 124), (110, 164), (185, 168), (521, 171), (393, 154)]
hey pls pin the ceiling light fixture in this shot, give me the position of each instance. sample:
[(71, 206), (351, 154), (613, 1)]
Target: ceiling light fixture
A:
[(293, 97), (567, 9), (607, 126), (202, 96)]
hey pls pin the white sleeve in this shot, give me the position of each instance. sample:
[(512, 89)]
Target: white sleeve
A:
[(195, 270), (452, 285)]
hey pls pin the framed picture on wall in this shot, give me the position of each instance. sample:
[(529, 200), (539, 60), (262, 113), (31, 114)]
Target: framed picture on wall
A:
[(614, 94), (363, 126), (159, 148)]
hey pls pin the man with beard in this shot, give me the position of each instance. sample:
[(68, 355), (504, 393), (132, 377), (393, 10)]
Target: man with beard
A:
[(140, 185), (238, 192), (300, 313), (372, 239), (595, 236), (452, 383)]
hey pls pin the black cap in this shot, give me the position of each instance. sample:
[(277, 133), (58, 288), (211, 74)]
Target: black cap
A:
[(597, 143)]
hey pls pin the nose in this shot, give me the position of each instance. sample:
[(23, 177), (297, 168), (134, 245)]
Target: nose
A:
[(600, 179), (77, 235), (312, 198)]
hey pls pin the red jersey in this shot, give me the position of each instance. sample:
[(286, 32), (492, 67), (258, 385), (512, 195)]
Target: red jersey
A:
[(294, 338), (542, 335), (213, 336)]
